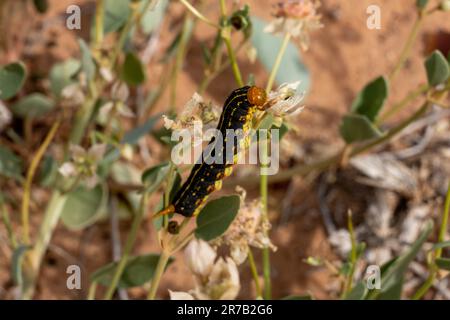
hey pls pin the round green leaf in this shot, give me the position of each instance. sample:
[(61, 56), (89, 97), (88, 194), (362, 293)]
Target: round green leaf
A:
[(12, 78), (84, 207), (371, 99), (138, 271), (443, 263), (421, 4), (33, 106), (154, 176), (87, 62), (215, 218), (133, 72), (356, 128), (116, 14), (437, 68), (152, 18), (267, 45), (62, 74), (10, 164)]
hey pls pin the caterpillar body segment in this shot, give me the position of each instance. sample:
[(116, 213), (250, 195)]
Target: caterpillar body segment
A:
[(206, 175)]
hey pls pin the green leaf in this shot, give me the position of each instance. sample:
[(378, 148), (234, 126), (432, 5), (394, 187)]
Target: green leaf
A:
[(153, 18), (215, 218), (87, 62), (358, 292), (10, 164), (138, 271), (133, 72), (421, 4), (356, 128), (48, 171), (33, 106), (437, 68), (133, 136), (291, 68), (443, 263), (41, 5), (16, 263), (84, 207), (154, 176), (441, 245), (12, 78), (371, 99), (62, 75), (127, 174), (393, 278), (116, 14)]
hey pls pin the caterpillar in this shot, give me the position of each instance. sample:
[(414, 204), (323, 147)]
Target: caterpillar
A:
[(207, 177)]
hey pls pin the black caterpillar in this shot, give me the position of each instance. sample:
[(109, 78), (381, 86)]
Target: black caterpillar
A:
[(204, 178)]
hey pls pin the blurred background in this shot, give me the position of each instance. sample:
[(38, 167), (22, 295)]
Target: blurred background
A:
[(308, 213)]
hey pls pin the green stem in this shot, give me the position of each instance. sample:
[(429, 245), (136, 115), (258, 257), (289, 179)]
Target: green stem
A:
[(99, 15), (264, 186), (403, 103), (196, 13), (353, 257), (444, 223), (180, 57), (408, 46), (7, 222), (128, 247), (433, 269), (278, 60), (226, 36), (254, 271), (92, 291), (162, 263), (30, 174)]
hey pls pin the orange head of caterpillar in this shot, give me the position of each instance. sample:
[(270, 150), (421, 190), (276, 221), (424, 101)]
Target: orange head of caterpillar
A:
[(257, 97), (170, 209)]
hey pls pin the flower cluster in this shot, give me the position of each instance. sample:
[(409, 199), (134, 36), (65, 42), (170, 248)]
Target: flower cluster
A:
[(249, 229), (214, 279), (196, 111), (84, 163), (297, 18), (284, 101)]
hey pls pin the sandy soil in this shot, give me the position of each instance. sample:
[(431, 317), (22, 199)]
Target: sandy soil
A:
[(344, 55)]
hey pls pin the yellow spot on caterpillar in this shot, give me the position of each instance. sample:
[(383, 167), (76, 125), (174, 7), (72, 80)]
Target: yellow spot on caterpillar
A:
[(228, 171), (218, 185)]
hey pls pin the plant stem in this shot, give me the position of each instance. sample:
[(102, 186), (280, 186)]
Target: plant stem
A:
[(433, 269), (353, 257), (99, 15), (264, 186), (128, 247), (226, 36), (196, 13), (92, 290), (278, 60), (180, 57), (7, 222), (408, 46), (30, 174), (162, 262), (254, 270), (444, 223), (403, 103)]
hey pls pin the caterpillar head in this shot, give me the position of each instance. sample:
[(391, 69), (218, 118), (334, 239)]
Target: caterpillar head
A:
[(257, 97)]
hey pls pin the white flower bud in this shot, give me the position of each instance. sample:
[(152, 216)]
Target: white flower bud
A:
[(200, 257)]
